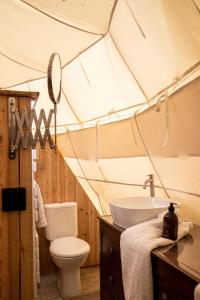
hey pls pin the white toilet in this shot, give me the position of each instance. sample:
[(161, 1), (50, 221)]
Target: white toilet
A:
[(67, 251)]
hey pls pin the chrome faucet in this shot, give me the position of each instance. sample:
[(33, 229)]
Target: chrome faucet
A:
[(151, 183)]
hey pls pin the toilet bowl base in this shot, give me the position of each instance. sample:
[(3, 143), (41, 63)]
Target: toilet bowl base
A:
[(69, 283)]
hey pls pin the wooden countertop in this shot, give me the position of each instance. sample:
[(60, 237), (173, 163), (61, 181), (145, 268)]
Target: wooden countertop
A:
[(109, 221), (183, 255)]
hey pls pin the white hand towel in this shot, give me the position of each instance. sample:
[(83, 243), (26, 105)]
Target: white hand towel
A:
[(197, 292), (136, 245), (40, 218)]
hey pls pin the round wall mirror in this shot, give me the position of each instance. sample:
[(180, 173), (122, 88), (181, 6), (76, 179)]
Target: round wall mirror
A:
[(54, 78)]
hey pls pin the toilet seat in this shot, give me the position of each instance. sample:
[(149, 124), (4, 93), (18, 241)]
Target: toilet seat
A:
[(69, 247)]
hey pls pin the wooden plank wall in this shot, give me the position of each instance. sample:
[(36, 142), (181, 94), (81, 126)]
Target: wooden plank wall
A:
[(58, 184), (16, 251), (4, 222), (26, 218)]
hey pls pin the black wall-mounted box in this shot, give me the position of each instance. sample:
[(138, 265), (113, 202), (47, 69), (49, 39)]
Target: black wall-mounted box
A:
[(13, 199)]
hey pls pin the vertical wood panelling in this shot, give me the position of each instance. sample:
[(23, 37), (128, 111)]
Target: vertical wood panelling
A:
[(58, 184), (4, 248), (16, 272), (26, 220), (14, 233), (9, 221)]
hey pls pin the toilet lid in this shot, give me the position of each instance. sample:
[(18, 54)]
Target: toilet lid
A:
[(69, 247)]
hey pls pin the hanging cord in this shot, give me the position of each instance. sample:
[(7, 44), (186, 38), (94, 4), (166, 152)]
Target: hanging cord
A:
[(84, 71), (165, 98), (157, 107), (166, 120), (97, 142), (151, 160), (167, 115), (97, 151), (85, 177), (132, 129)]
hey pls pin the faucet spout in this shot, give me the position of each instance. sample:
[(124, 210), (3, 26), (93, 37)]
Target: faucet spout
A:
[(150, 180)]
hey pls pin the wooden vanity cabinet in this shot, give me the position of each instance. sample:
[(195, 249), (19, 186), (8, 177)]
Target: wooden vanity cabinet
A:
[(111, 286), (176, 268), (170, 283)]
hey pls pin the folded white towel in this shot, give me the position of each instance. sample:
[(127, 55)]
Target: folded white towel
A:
[(136, 245), (40, 219), (197, 292)]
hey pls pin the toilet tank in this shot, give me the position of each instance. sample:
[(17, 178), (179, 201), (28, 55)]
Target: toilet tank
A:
[(61, 220)]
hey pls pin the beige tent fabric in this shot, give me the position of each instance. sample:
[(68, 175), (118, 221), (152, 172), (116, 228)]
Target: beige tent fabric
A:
[(143, 33), (183, 31), (123, 162), (13, 71), (184, 111), (99, 80), (88, 147), (163, 33), (29, 38), (92, 16), (130, 91)]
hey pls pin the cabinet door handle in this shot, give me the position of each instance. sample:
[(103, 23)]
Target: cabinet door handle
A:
[(110, 280), (162, 296), (110, 251)]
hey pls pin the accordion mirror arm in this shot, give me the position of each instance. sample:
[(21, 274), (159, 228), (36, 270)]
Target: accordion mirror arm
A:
[(21, 123)]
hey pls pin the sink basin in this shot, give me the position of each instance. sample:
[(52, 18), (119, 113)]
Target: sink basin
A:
[(127, 212)]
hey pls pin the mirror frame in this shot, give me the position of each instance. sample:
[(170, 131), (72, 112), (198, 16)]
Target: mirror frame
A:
[(50, 81)]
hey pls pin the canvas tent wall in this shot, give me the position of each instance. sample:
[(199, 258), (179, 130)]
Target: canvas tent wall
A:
[(130, 90)]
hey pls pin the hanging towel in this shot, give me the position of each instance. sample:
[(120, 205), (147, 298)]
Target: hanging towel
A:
[(37, 258), (136, 244), (197, 292), (40, 219)]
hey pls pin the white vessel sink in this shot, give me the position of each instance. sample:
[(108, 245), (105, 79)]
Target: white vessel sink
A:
[(127, 212)]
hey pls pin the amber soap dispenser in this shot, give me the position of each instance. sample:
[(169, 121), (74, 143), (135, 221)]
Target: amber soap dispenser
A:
[(170, 224)]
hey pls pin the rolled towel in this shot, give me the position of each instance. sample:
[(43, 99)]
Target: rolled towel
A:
[(197, 292), (136, 245), (40, 220)]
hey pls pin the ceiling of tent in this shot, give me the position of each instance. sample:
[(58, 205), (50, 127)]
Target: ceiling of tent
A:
[(30, 32), (116, 55), (90, 16), (119, 57)]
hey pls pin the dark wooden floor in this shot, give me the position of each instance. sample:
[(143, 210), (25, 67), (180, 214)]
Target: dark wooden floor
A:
[(89, 281)]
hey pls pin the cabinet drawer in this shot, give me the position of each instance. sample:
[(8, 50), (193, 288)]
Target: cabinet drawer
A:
[(104, 295), (165, 291), (111, 281), (110, 247), (171, 282)]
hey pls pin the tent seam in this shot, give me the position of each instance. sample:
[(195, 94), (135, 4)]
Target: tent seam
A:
[(84, 72), (135, 19), (66, 98), (70, 61), (131, 72), (102, 208), (197, 7), (139, 185), (60, 21), (111, 15), (147, 151), (21, 64)]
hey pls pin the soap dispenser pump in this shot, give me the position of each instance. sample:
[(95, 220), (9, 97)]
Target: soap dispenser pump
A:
[(170, 224)]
